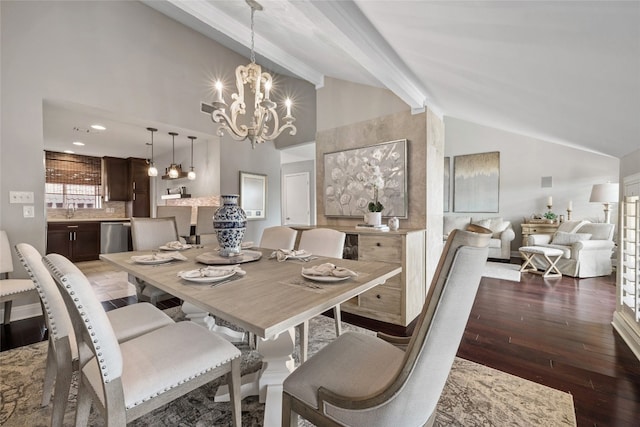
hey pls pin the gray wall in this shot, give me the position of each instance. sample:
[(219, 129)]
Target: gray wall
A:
[(523, 162), (630, 164), (118, 56)]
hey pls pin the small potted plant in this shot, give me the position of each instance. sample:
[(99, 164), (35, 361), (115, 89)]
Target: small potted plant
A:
[(551, 217), (374, 217)]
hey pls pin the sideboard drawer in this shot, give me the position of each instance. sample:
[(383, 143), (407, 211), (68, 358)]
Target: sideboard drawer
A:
[(382, 298), (380, 248)]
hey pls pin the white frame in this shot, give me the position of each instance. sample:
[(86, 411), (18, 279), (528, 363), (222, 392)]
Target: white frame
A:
[(253, 195)]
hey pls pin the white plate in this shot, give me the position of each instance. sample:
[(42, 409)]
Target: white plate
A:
[(325, 278), (169, 248), (207, 279), (146, 259)]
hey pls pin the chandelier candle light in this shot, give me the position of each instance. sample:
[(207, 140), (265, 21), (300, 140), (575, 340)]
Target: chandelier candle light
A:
[(265, 124)]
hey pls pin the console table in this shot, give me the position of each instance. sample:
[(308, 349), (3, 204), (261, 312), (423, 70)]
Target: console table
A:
[(529, 229)]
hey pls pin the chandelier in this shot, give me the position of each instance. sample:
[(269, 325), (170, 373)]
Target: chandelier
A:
[(265, 123)]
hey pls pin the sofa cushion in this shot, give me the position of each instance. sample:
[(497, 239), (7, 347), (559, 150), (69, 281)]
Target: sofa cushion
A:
[(495, 243), (562, 238), (571, 226), (496, 224), (598, 231)]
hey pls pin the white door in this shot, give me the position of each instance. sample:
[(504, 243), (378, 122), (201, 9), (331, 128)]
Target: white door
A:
[(296, 199)]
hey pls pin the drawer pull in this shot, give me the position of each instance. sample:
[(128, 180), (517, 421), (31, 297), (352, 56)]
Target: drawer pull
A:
[(378, 244), (378, 296)]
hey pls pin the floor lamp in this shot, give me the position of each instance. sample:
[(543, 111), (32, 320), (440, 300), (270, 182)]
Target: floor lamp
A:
[(606, 194)]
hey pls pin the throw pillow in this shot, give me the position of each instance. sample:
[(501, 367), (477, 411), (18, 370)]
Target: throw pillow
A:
[(563, 238), (486, 223)]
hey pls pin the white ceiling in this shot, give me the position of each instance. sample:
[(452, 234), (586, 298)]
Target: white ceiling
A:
[(563, 71)]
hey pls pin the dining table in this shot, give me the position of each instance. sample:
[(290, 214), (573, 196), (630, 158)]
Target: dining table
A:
[(266, 297)]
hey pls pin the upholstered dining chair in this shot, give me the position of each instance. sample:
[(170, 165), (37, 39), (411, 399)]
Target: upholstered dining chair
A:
[(322, 242), (204, 225), (127, 380), (278, 237), (128, 322), (362, 380), (182, 214), (148, 234), (10, 289)]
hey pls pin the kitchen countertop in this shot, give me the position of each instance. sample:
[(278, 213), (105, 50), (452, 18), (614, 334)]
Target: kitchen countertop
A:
[(63, 220)]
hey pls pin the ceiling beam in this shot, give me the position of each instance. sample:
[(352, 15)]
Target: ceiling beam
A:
[(357, 36)]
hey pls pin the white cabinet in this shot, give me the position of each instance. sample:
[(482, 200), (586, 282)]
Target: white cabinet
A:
[(626, 319)]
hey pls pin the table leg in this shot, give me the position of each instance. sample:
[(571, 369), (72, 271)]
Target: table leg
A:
[(202, 318), (277, 364)]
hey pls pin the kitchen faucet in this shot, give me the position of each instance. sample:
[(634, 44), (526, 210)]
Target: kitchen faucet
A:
[(70, 210)]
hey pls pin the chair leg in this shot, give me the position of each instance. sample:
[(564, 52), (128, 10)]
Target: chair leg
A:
[(83, 407), (49, 375), (289, 418), (338, 318), (7, 312), (64, 370), (233, 381), (303, 331)]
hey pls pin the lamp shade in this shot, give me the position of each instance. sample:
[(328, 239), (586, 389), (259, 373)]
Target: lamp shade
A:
[(604, 193)]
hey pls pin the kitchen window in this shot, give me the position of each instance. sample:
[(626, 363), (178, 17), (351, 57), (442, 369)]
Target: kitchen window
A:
[(72, 181)]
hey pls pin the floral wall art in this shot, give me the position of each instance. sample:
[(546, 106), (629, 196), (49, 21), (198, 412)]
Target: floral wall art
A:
[(476, 180), (353, 178)]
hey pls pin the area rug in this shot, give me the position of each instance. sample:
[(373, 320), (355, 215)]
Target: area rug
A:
[(475, 395), (502, 270)]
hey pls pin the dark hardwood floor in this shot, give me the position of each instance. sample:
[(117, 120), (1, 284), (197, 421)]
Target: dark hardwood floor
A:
[(555, 332)]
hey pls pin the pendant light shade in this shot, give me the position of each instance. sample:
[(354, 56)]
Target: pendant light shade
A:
[(192, 174), (152, 171), (173, 169)]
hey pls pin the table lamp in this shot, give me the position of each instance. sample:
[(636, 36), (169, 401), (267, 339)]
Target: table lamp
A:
[(606, 194)]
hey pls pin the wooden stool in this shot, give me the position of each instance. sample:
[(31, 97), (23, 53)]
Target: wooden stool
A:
[(551, 256)]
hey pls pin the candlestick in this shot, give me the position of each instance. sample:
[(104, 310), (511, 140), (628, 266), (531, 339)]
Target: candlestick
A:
[(288, 104), (568, 214), (267, 88), (219, 89), (570, 208), (550, 201)]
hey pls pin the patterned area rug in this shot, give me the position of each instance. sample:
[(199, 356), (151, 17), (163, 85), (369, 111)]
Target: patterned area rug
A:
[(474, 395)]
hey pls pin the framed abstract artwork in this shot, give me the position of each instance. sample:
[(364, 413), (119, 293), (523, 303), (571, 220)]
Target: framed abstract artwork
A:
[(476, 182), (353, 178)]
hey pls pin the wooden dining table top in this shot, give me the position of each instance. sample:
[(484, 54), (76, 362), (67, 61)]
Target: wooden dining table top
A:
[(271, 298)]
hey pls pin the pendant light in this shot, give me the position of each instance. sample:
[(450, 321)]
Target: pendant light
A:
[(152, 171), (192, 173), (173, 169)]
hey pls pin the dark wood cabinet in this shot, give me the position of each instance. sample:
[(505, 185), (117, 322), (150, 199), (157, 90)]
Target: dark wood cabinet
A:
[(78, 241), (115, 179), (139, 189)]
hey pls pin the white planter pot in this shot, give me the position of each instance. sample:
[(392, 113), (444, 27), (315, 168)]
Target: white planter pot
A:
[(373, 218)]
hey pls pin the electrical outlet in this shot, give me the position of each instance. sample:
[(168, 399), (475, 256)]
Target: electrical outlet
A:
[(28, 211), (20, 196)]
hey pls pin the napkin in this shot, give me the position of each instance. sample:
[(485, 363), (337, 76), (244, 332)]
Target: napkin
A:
[(211, 272), (160, 256), (285, 254), (328, 269), (177, 245)]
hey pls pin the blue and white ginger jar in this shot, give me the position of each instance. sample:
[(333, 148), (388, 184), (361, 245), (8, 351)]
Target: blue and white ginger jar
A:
[(230, 223)]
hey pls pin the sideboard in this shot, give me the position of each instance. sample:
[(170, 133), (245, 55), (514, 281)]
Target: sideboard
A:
[(529, 228), (398, 301)]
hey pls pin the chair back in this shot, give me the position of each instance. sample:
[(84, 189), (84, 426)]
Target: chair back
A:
[(90, 321), (150, 233), (323, 242), (55, 311), (278, 237), (204, 221), (182, 214), (6, 262)]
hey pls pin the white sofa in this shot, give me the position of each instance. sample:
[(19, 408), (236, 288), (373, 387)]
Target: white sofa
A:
[(587, 248), (503, 234)]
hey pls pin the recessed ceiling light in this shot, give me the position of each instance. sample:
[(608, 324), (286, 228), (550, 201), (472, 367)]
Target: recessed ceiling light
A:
[(68, 151), (78, 143), (98, 127)]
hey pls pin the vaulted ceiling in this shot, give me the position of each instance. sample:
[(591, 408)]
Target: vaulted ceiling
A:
[(563, 71)]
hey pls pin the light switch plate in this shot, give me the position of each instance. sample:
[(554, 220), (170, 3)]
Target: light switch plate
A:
[(20, 196), (28, 211)]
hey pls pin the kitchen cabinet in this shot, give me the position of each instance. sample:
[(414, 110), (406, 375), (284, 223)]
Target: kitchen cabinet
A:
[(115, 179), (139, 188), (78, 241)]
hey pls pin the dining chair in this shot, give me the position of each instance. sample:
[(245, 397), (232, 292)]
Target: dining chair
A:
[(182, 214), (364, 380), (322, 242), (204, 225), (148, 234), (127, 380), (10, 289), (62, 355), (278, 237)]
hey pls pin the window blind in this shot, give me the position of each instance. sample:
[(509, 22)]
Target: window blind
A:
[(63, 168)]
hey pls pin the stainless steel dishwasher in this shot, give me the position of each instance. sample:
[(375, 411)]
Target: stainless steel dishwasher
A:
[(113, 237)]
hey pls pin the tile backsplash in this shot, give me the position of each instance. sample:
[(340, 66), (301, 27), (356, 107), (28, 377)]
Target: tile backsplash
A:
[(109, 210)]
